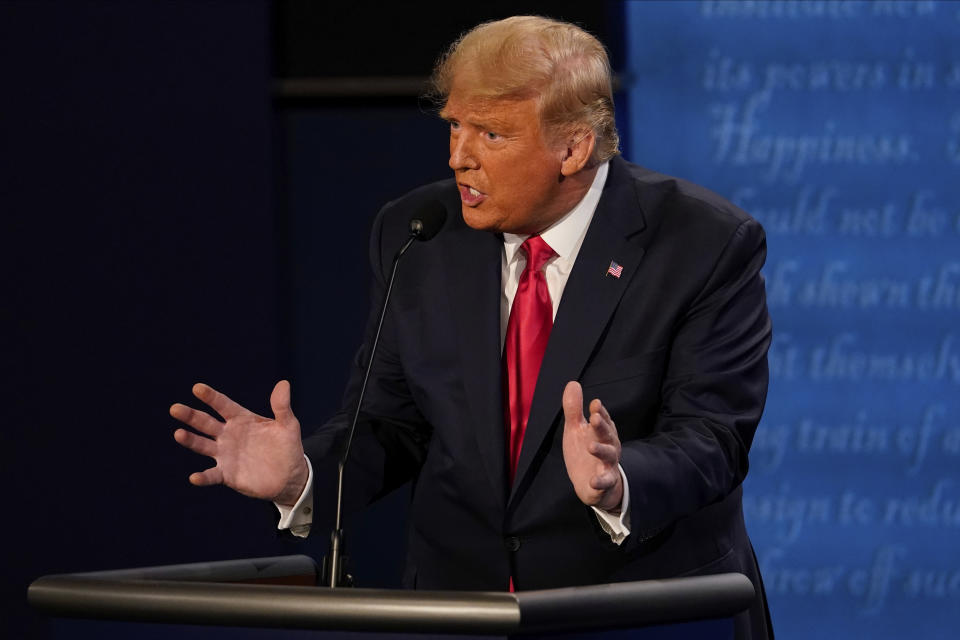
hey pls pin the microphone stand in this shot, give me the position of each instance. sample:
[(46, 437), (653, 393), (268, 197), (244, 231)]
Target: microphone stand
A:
[(333, 564)]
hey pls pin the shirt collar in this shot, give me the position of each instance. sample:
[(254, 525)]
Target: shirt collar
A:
[(566, 234)]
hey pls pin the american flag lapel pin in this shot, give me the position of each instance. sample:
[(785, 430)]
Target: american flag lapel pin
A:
[(614, 269)]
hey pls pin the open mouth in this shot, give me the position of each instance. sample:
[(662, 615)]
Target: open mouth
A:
[(470, 196)]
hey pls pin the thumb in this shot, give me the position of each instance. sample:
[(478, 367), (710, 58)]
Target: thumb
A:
[(280, 402), (573, 403)]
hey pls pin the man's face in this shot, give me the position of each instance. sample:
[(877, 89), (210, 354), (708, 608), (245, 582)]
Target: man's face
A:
[(507, 173)]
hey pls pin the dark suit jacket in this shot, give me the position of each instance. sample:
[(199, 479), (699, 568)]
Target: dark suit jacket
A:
[(676, 349)]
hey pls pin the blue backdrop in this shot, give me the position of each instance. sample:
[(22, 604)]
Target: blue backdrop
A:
[(837, 125)]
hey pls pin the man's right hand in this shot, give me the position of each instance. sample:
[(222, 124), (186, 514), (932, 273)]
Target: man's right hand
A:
[(256, 456)]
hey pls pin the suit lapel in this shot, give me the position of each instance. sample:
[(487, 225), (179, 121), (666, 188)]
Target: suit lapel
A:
[(589, 300), (472, 268)]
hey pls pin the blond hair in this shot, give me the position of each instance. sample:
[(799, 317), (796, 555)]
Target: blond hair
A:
[(565, 68)]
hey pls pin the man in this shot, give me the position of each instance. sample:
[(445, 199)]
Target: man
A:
[(561, 271)]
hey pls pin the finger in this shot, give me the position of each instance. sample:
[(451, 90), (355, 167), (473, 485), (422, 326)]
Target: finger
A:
[(604, 481), (573, 403), (280, 402), (606, 453), (197, 444), (597, 407), (603, 429), (199, 420), (211, 476), (218, 401)]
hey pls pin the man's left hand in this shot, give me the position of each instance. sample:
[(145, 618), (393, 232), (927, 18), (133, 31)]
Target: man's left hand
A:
[(591, 451)]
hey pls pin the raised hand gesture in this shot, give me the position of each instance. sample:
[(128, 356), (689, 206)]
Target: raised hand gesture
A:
[(256, 456), (591, 451)]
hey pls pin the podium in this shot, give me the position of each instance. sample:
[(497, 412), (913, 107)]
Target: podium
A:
[(281, 592)]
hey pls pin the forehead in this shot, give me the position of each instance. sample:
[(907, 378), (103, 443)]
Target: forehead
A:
[(470, 107)]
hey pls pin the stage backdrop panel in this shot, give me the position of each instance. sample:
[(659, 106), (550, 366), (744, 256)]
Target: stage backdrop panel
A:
[(837, 125)]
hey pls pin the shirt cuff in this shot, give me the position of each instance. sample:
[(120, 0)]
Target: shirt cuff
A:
[(617, 525), (299, 517)]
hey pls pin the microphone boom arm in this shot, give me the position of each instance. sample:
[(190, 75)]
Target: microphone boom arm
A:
[(333, 570)]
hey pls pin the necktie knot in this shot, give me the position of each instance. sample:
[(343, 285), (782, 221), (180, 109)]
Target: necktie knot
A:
[(538, 252)]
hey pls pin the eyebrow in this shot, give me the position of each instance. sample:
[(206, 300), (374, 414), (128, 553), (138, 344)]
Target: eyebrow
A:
[(498, 125), (488, 123)]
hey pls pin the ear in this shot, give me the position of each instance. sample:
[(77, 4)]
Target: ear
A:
[(578, 151)]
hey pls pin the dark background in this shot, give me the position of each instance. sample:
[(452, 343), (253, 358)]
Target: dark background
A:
[(186, 190)]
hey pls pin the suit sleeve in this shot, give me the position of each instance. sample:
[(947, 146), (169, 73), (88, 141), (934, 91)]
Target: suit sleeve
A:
[(712, 394)]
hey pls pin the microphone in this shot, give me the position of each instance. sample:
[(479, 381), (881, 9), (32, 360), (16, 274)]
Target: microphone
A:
[(424, 225), (428, 221)]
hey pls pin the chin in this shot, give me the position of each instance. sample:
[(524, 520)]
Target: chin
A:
[(478, 220)]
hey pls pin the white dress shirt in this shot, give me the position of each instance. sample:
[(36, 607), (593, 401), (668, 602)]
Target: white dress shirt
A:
[(565, 237)]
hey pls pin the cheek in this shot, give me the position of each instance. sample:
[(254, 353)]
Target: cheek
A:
[(526, 176), (535, 186)]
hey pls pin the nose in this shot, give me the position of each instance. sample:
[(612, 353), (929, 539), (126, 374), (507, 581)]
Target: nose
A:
[(462, 153)]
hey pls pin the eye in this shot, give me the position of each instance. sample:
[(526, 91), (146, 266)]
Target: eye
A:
[(491, 136), (454, 125)]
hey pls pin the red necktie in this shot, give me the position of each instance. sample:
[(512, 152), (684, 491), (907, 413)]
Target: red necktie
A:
[(528, 330)]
